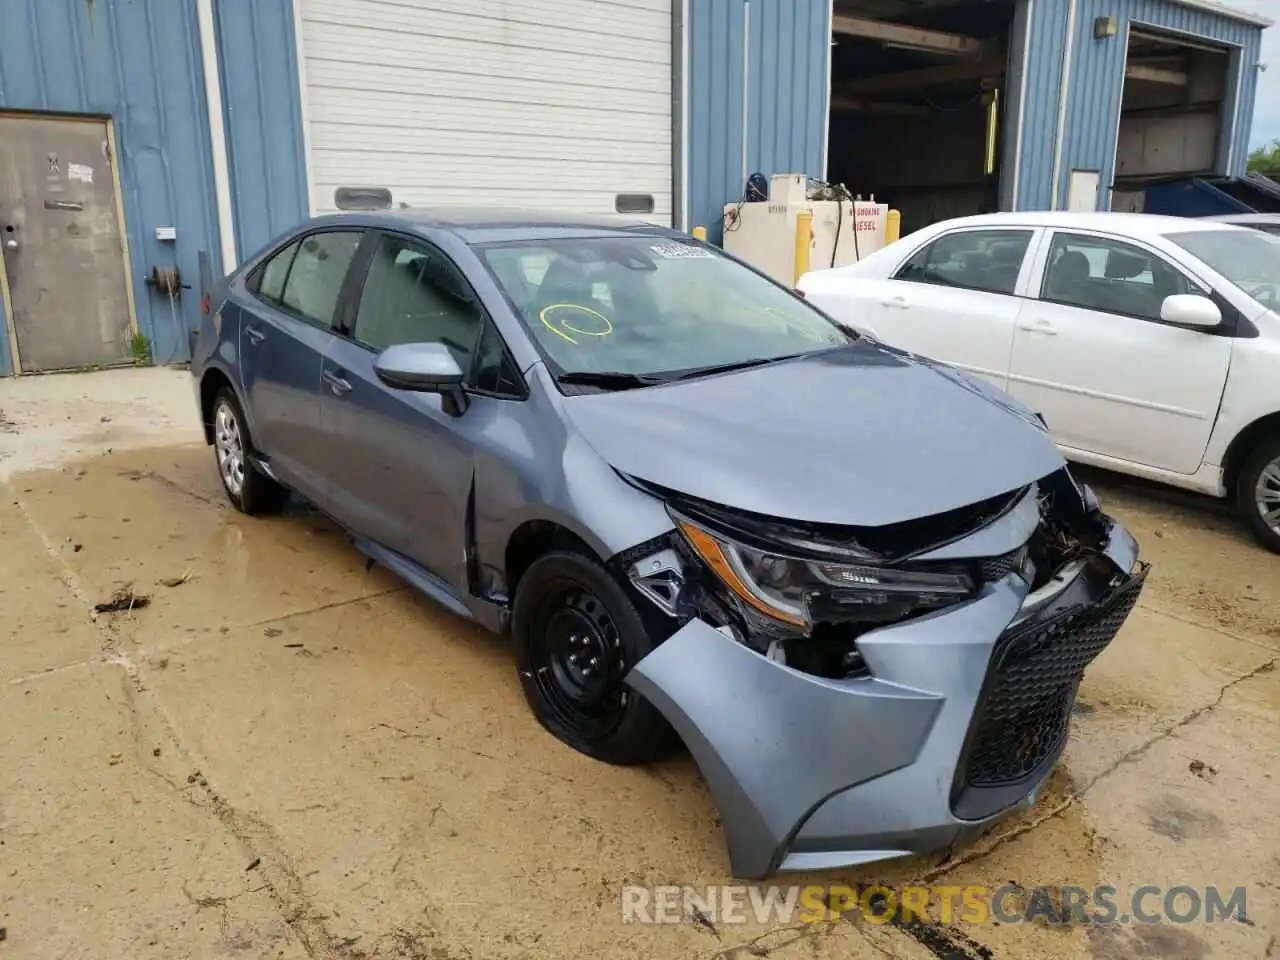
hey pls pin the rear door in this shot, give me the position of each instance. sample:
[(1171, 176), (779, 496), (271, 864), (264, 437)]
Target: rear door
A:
[(956, 299), (283, 333), (1093, 357)]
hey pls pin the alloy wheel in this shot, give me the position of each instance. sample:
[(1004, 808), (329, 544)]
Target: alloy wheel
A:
[(229, 446), (1266, 495)]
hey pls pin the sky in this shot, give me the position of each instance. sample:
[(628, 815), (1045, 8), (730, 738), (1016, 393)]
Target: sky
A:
[(1266, 115)]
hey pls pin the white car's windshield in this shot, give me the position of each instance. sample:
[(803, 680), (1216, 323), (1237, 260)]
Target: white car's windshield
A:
[(1248, 258), (651, 306)]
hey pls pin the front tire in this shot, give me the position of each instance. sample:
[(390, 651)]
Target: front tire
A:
[(249, 490), (1258, 492), (577, 635)]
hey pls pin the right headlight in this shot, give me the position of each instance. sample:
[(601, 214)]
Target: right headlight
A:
[(798, 591)]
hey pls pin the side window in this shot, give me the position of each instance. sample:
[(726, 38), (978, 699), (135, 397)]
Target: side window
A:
[(414, 294), (493, 371), (987, 260), (315, 279), (1110, 276), (270, 282)]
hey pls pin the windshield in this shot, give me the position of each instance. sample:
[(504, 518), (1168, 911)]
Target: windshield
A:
[(1248, 258), (651, 306)]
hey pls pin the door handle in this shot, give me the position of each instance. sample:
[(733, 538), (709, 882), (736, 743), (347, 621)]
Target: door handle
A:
[(1039, 326), (896, 303), (337, 384), (254, 334)]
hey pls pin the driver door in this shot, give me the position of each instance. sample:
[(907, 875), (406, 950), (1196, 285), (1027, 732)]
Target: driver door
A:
[(402, 466)]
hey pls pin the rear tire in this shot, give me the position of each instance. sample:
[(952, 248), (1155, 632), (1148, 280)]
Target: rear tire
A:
[(577, 635), (1258, 492), (250, 490)]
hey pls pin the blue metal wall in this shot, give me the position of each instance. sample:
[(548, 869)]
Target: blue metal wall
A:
[(1097, 81), (137, 62), (788, 44), (262, 110)]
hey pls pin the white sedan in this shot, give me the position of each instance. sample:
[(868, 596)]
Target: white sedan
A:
[(1149, 345)]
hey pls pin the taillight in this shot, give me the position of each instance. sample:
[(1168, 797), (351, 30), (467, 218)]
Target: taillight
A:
[(204, 306)]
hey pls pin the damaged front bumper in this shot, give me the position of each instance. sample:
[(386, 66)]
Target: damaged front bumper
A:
[(959, 717)]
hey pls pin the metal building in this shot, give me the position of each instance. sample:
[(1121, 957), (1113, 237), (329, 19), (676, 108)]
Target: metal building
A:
[(138, 137), (951, 107), (135, 134)]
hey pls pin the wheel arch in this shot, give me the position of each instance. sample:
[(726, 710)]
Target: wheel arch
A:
[(212, 382), (1239, 449), (536, 537)]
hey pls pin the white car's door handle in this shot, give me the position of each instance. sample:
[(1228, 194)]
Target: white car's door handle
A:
[(895, 303), (1039, 326)]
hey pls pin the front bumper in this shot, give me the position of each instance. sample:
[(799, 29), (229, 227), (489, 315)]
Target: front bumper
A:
[(964, 715)]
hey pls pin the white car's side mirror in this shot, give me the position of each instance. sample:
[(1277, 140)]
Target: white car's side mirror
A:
[(1190, 310)]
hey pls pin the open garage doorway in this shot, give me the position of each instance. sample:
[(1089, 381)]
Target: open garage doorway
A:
[(918, 104), (1172, 118)]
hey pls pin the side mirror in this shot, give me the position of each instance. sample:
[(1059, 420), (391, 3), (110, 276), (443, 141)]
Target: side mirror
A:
[(1190, 310), (424, 368)]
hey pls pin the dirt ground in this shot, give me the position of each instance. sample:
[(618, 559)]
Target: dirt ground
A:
[(285, 754)]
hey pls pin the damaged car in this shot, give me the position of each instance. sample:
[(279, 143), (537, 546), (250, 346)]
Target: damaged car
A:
[(861, 587)]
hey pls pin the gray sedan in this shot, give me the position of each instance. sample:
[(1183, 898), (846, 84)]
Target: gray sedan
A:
[(861, 587)]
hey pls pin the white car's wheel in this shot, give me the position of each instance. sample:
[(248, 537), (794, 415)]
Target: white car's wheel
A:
[(1258, 492)]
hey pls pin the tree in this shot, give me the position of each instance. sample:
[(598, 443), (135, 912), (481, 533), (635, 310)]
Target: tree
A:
[(1266, 160)]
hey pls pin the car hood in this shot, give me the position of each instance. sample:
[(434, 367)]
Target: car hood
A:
[(861, 436)]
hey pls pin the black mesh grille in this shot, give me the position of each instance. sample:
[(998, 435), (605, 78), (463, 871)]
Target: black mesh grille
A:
[(997, 568), (1024, 710)]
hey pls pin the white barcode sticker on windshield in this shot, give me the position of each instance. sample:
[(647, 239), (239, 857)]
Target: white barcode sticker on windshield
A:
[(680, 251)]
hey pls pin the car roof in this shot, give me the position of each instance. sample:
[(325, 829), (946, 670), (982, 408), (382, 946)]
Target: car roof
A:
[(496, 224), (1246, 218), (1128, 224)]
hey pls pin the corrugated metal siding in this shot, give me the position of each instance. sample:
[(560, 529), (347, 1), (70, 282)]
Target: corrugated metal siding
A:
[(137, 62), (1096, 84), (262, 110), (1048, 38), (787, 93)]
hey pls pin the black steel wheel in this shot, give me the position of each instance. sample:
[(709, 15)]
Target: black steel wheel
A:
[(577, 635)]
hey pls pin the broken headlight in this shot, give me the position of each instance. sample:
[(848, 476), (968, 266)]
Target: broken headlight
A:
[(801, 592)]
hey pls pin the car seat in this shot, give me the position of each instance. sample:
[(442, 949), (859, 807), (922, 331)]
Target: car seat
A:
[(1069, 279)]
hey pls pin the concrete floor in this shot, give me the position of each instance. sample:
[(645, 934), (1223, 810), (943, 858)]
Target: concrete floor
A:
[(287, 755)]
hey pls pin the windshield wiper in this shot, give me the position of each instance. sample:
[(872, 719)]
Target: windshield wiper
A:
[(730, 367), (609, 379)]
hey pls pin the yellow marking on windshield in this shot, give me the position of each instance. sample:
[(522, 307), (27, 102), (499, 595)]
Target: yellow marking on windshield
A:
[(565, 325)]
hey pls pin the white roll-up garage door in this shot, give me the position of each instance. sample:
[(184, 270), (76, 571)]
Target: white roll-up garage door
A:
[(558, 104)]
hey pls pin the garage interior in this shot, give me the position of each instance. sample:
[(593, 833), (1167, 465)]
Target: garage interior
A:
[(918, 103), (1172, 121)]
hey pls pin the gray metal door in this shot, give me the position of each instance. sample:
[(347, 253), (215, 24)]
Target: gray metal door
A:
[(63, 249)]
